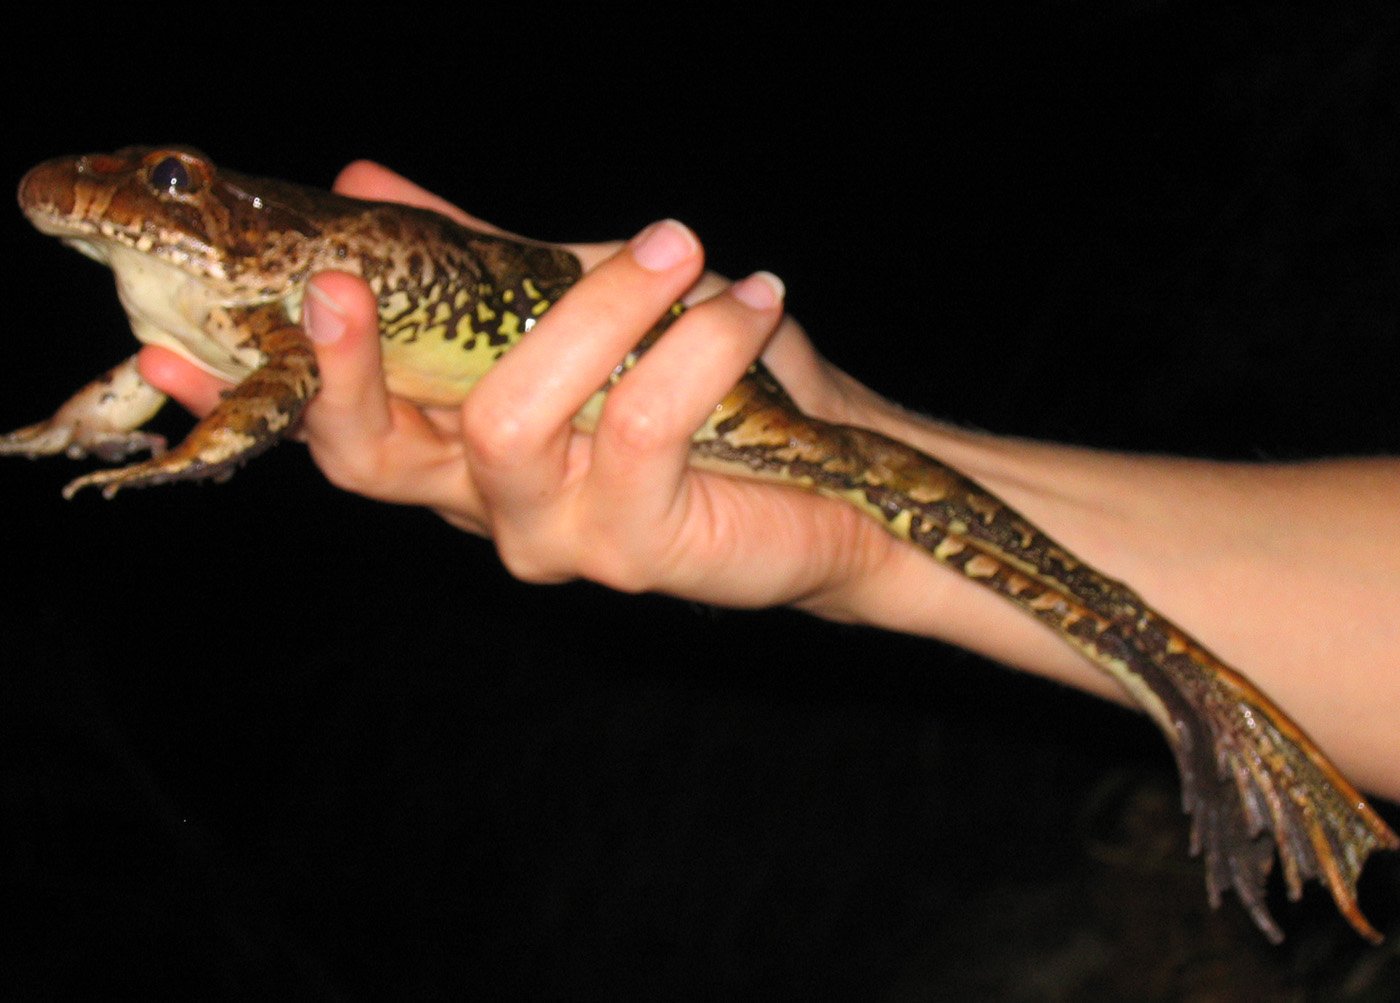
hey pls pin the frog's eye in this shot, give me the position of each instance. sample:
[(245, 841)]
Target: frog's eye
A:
[(171, 175)]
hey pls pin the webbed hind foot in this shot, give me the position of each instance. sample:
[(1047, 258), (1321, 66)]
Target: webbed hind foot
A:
[(1255, 784)]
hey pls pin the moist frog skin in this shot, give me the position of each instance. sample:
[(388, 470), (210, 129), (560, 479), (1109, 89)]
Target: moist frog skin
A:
[(213, 265)]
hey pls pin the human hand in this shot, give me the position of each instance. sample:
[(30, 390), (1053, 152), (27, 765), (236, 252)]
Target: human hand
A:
[(621, 506)]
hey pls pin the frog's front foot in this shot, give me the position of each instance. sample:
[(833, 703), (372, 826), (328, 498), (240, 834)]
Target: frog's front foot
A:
[(47, 438), (102, 419), (250, 418)]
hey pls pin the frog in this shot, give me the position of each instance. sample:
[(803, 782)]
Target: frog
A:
[(214, 264)]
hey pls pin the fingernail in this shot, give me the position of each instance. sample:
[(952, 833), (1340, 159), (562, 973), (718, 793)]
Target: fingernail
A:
[(320, 315), (761, 291), (664, 245)]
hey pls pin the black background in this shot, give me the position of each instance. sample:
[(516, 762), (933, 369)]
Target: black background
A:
[(266, 737)]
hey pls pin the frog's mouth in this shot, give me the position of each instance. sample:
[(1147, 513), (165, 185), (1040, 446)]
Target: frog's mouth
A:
[(49, 221), (92, 238)]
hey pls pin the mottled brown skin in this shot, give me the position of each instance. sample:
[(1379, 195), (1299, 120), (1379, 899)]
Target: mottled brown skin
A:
[(214, 264)]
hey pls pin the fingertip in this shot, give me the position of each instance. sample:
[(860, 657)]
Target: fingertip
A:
[(760, 291), (664, 245), (160, 367), (341, 318), (362, 176), (338, 304), (178, 378)]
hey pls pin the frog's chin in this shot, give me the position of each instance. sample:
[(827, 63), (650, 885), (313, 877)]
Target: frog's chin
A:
[(94, 249)]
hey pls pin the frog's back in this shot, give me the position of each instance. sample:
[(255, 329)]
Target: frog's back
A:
[(451, 299)]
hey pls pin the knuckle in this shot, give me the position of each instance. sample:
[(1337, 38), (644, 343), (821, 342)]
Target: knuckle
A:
[(634, 424), (527, 562), (617, 571), (618, 559), (351, 470), (492, 435)]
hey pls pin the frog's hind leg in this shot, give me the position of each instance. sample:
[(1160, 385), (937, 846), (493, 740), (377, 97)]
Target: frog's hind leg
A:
[(252, 416), (102, 419)]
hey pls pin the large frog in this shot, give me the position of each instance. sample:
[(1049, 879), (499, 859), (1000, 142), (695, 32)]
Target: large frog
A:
[(213, 264)]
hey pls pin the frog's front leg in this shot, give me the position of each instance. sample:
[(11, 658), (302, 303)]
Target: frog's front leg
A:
[(101, 419), (251, 417)]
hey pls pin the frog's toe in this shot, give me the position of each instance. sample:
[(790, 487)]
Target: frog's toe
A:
[(42, 439), (111, 481), (159, 470), (48, 438)]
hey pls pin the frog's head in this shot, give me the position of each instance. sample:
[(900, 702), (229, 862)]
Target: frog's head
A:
[(222, 229)]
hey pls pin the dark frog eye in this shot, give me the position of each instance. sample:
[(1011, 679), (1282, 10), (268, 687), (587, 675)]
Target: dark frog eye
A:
[(171, 175)]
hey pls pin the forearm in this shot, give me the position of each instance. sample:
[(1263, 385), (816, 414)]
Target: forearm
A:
[(1290, 573)]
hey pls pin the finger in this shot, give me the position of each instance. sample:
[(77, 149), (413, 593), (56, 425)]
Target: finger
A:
[(368, 180), (362, 438), (812, 381), (518, 419), (350, 415), (342, 322), (182, 380), (650, 417)]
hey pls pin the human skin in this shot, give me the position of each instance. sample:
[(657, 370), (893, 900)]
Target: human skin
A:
[(1290, 572)]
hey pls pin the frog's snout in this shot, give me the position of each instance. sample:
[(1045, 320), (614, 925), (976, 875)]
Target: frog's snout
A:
[(47, 190)]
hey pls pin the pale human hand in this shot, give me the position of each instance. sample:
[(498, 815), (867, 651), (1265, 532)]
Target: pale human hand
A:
[(620, 506)]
